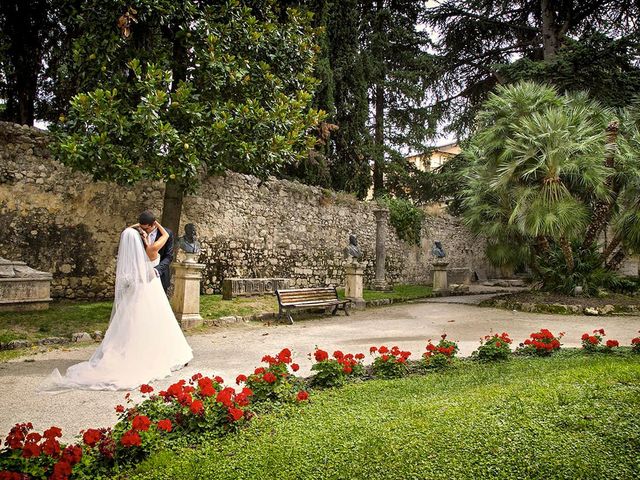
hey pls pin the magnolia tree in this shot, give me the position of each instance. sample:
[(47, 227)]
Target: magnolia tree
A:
[(554, 185), (172, 90)]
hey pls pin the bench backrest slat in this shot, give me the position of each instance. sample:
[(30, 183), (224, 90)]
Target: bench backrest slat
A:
[(298, 295)]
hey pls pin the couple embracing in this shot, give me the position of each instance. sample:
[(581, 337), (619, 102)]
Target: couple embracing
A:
[(144, 341)]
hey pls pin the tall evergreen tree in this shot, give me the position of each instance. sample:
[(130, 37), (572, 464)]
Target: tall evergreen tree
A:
[(477, 39), (398, 68)]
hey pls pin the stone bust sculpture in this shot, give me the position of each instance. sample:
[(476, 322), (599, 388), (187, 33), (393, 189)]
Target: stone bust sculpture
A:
[(438, 251), (189, 241), (352, 252)]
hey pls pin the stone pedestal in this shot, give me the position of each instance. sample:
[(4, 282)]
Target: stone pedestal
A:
[(22, 287), (440, 280), (353, 289), (380, 282), (185, 301)]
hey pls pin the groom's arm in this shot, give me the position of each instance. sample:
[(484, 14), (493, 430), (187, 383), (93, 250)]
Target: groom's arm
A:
[(166, 260)]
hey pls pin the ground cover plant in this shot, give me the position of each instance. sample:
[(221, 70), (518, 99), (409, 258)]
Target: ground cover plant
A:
[(532, 417), (203, 411)]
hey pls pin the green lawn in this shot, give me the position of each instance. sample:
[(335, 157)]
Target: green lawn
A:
[(402, 292), (569, 416), (60, 319)]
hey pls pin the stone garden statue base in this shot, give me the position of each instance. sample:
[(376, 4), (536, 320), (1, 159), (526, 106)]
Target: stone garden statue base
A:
[(185, 301), (353, 289), (440, 280)]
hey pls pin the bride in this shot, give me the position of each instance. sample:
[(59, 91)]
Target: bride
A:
[(144, 341)]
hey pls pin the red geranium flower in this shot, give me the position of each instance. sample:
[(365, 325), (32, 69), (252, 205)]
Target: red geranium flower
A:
[(52, 432), (295, 367), (373, 349), (383, 350), (585, 336), (30, 449), (269, 377), (61, 470), (359, 356), (302, 396), (146, 388), (225, 396), (236, 413), (91, 437), (119, 408), (51, 447), (164, 425), (141, 422), (131, 438), (241, 379), (197, 407), (321, 355), (218, 379), (612, 343), (72, 454)]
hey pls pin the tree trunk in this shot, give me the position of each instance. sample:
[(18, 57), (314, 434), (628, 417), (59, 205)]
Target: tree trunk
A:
[(610, 248), (617, 259), (378, 159), (603, 209), (23, 24), (379, 100), (172, 206), (568, 254), (550, 31)]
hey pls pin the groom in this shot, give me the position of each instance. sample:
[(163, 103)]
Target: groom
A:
[(146, 221)]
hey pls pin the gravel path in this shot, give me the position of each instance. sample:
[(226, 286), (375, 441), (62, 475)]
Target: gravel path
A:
[(238, 349)]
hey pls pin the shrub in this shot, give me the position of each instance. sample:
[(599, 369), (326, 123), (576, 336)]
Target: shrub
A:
[(405, 217), (440, 355), (33, 455), (275, 383), (389, 363), (541, 343), (595, 342), (493, 347), (334, 372), (635, 344)]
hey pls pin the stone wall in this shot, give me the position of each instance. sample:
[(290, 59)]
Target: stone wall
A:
[(69, 225)]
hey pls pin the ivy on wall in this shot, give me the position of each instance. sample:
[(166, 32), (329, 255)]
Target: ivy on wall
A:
[(405, 217)]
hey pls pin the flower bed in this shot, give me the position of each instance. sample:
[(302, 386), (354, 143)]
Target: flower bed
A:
[(203, 406)]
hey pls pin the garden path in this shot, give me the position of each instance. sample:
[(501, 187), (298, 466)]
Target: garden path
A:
[(238, 349)]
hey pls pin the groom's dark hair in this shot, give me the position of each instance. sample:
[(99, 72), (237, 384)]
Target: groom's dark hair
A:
[(146, 218)]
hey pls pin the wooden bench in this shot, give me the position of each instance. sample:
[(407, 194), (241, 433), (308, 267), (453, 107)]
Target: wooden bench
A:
[(309, 298)]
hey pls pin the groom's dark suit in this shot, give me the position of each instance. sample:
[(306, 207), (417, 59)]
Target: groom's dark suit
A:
[(166, 257)]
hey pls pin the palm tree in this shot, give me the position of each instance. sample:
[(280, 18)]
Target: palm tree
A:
[(537, 169)]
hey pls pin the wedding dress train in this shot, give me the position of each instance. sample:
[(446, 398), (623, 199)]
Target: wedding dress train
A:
[(143, 342)]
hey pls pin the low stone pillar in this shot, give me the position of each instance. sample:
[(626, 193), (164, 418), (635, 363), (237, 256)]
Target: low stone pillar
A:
[(185, 301), (353, 289), (440, 280), (380, 282)]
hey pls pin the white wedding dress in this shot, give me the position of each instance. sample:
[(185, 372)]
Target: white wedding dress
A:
[(143, 342)]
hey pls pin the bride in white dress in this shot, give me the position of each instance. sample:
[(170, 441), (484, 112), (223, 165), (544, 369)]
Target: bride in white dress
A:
[(144, 341)]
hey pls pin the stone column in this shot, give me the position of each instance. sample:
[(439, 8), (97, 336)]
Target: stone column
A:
[(381, 236), (440, 280), (353, 290), (185, 301)]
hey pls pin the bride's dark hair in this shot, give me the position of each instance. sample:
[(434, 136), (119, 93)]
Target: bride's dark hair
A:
[(146, 218)]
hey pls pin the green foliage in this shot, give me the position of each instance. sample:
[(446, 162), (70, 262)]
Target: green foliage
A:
[(536, 175), (587, 45), (493, 348), (588, 273), (405, 217), (441, 427), (193, 88), (607, 70)]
